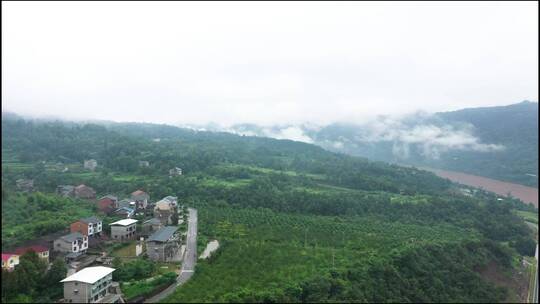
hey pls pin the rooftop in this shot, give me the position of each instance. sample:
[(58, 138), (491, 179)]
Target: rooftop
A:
[(36, 248), (6, 256), (163, 234), (153, 221), (125, 222), (89, 274), (114, 198), (91, 220), (72, 236), (138, 192)]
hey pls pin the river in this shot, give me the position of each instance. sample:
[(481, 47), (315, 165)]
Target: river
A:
[(524, 193)]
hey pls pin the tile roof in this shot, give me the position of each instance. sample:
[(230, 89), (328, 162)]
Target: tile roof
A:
[(89, 274), (153, 221), (138, 192), (6, 256), (112, 197), (163, 234), (92, 220), (36, 248), (72, 236)]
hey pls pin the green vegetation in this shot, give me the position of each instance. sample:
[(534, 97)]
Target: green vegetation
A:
[(29, 216), (32, 282), (295, 222), (147, 287), (528, 216)]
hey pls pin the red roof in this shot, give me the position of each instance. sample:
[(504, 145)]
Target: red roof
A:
[(36, 248), (138, 192), (6, 256)]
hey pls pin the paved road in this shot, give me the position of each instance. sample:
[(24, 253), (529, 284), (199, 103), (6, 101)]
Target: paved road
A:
[(190, 259)]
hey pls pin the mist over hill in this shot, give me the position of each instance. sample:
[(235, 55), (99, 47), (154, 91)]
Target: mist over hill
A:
[(497, 142)]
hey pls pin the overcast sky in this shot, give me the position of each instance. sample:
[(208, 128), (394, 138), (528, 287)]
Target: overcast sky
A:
[(264, 62)]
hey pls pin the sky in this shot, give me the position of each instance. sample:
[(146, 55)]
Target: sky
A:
[(264, 62)]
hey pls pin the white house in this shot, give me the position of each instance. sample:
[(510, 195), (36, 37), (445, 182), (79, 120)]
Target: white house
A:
[(91, 285)]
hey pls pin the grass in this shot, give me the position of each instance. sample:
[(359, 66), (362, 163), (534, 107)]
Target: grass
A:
[(528, 216), (126, 250)]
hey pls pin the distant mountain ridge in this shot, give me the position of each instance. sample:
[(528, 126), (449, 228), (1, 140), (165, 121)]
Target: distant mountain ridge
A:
[(497, 142)]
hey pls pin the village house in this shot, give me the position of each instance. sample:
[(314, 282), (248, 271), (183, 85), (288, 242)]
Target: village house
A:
[(144, 163), (92, 285), (163, 244), (175, 171), (25, 185), (66, 190), (123, 230), (41, 251), (9, 261), (107, 204), (74, 242), (125, 212), (140, 198), (126, 203), (90, 226), (90, 164), (150, 226), (84, 192)]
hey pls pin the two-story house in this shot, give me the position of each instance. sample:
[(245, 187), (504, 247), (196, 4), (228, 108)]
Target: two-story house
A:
[(90, 164), (140, 198), (107, 204), (41, 251), (9, 261), (72, 243), (85, 192), (91, 285), (90, 226), (123, 230), (163, 244)]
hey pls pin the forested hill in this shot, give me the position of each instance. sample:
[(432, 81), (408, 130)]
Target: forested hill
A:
[(463, 140), (295, 223), (120, 147), (515, 127)]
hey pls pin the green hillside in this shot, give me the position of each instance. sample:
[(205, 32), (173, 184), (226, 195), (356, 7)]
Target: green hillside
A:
[(296, 223)]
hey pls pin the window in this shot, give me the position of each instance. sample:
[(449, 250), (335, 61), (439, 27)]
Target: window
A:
[(76, 283)]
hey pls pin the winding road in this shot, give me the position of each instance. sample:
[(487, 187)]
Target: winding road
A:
[(189, 262)]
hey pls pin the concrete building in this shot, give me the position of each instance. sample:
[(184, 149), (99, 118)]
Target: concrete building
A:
[(90, 226), (107, 204), (73, 242), (41, 251), (144, 163), (92, 285), (66, 190), (85, 192), (90, 164), (123, 230), (25, 185), (140, 198), (9, 261), (163, 244), (175, 171), (152, 225)]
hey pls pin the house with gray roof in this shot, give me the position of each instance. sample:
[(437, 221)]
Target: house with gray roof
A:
[(150, 226), (73, 242), (163, 245)]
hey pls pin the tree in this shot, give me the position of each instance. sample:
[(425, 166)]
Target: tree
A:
[(53, 277), (174, 217)]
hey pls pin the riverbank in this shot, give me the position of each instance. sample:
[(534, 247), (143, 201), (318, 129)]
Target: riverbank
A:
[(524, 193)]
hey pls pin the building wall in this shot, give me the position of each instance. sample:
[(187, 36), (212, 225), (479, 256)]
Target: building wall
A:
[(64, 246), (82, 296), (121, 233), (80, 227), (161, 251), (11, 262)]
